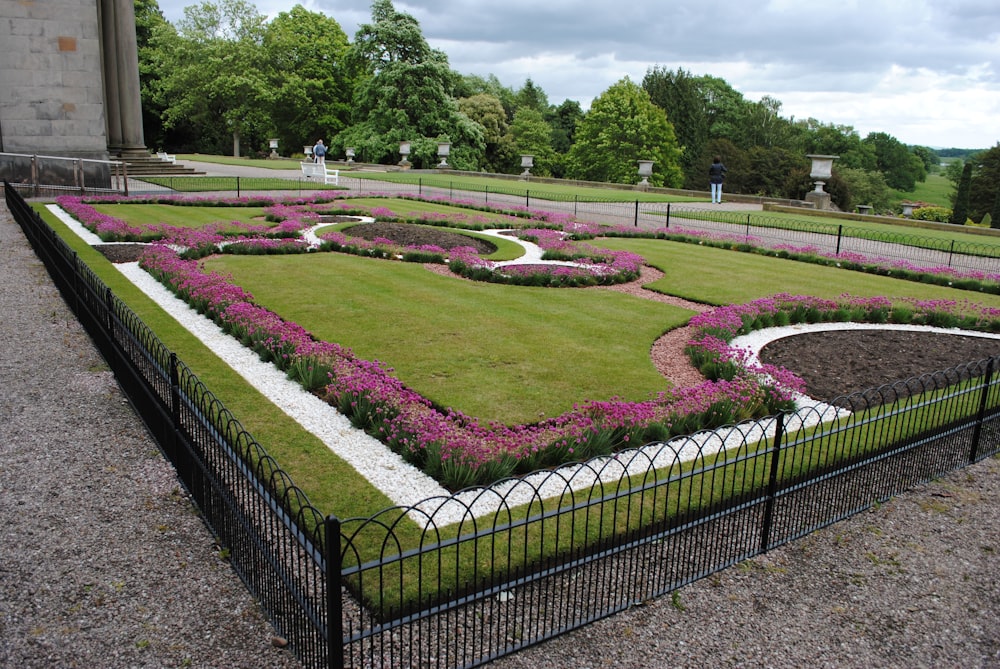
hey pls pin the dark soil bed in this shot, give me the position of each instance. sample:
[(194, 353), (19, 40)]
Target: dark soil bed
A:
[(842, 362), (120, 253)]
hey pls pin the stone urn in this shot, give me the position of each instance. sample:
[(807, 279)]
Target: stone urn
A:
[(645, 171), (444, 148), (527, 162)]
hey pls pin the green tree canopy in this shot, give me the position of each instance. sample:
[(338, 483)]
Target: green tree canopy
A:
[(406, 94), (312, 86), (531, 135), (217, 77), (488, 112), (984, 189), (902, 169), (622, 127), (678, 93)]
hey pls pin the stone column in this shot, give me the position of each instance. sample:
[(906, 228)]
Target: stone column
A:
[(130, 100), (109, 62)]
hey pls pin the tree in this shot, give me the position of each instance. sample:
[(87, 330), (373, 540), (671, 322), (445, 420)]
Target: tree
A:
[(473, 84), (152, 33), (865, 187), (531, 135), (927, 156), (563, 120), (532, 97), (622, 127), (960, 208), (217, 77), (843, 141), (405, 94), (985, 186), (679, 95), (312, 83), (902, 169), (488, 112)]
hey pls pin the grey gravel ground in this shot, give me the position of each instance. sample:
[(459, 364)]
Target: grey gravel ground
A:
[(103, 562)]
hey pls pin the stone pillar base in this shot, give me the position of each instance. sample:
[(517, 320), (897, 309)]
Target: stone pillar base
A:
[(820, 199)]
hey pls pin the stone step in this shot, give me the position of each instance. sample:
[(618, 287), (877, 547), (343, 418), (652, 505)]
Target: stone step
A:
[(153, 166)]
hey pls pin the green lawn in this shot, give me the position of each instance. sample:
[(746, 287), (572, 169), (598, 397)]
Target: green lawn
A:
[(499, 353), (721, 276), (937, 190), (144, 215)]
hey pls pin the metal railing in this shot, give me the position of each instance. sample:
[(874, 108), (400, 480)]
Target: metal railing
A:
[(558, 550)]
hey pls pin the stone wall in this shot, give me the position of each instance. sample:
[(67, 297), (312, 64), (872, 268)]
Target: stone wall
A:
[(51, 85)]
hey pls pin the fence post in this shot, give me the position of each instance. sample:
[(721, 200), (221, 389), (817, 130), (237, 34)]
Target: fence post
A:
[(748, 228), (981, 415), (175, 391), (951, 252), (637, 213), (527, 198), (334, 603), (237, 186), (840, 234), (668, 216), (576, 199), (772, 485), (420, 185)]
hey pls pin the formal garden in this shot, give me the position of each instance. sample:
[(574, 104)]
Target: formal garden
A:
[(476, 381)]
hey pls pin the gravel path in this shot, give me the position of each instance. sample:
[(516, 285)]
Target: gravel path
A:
[(104, 564), (103, 561)]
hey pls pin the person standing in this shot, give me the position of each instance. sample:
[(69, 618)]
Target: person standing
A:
[(319, 152), (716, 175)]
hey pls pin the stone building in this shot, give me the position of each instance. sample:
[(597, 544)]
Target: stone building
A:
[(69, 79)]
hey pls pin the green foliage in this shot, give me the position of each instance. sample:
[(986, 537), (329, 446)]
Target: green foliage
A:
[(217, 76), (312, 85), (405, 94), (679, 95), (984, 194), (902, 169), (622, 127), (960, 210), (488, 111), (838, 140), (939, 214), (865, 187), (531, 135)]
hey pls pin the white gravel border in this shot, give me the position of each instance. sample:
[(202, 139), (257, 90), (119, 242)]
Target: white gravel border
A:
[(406, 485)]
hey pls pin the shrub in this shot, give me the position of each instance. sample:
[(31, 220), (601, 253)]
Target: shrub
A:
[(932, 213)]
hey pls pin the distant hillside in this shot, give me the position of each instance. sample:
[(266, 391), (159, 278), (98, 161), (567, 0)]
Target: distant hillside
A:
[(956, 153)]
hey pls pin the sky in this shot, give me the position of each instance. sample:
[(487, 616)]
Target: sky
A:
[(923, 71)]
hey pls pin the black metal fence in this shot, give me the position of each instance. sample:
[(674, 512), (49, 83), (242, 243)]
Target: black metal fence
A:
[(462, 580)]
